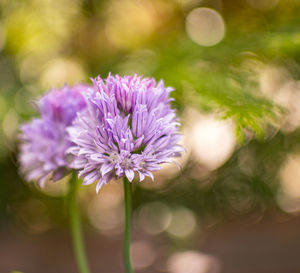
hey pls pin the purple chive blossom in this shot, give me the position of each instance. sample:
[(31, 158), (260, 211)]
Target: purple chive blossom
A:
[(128, 127), (45, 139)]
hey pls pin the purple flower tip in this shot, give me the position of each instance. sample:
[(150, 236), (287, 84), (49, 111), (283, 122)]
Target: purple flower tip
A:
[(62, 105), (128, 127), (44, 140)]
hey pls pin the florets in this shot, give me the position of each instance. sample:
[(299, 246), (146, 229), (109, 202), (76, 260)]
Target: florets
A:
[(45, 139), (128, 127)]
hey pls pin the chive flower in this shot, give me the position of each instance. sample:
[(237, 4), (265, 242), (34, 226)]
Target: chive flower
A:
[(44, 140), (127, 127)]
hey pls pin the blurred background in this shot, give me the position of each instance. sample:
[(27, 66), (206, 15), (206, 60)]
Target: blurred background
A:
[(234, 207)]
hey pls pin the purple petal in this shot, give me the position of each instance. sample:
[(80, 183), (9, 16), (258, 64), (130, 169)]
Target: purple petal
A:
[(129, 174)]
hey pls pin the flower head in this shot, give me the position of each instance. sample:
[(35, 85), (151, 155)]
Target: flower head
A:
[(45, 140), (127, 127)]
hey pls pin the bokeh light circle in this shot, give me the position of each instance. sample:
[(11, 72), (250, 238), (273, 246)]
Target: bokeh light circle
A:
[(211, 140), (193, 262), (205, 26), (154, 217)]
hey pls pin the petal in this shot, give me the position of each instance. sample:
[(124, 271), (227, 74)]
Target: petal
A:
[(99, 185), (138, 142), (142, 176), (150, 175), (105, 168), (42, 181), (78, 163), (91, 177), (129, 174)]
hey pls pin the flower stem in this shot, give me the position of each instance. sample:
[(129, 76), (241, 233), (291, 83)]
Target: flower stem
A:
[(75, 226), (127, 232)]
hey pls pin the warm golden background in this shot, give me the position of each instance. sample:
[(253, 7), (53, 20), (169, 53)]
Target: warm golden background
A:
[(234, 207)]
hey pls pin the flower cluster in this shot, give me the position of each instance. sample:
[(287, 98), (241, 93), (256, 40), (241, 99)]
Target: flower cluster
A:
[(127, 127), (116, 127), (45, 140)]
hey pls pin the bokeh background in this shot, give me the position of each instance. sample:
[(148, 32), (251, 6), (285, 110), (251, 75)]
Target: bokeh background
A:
[(234, 206)]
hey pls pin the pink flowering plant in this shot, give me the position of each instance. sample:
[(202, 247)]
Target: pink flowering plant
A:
[(117, 128), (43, 150)]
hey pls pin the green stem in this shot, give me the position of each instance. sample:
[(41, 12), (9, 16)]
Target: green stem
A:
[(75, 226), (127, 232)]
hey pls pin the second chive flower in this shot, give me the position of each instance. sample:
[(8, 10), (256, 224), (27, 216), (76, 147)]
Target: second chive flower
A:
[(44, 140)]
